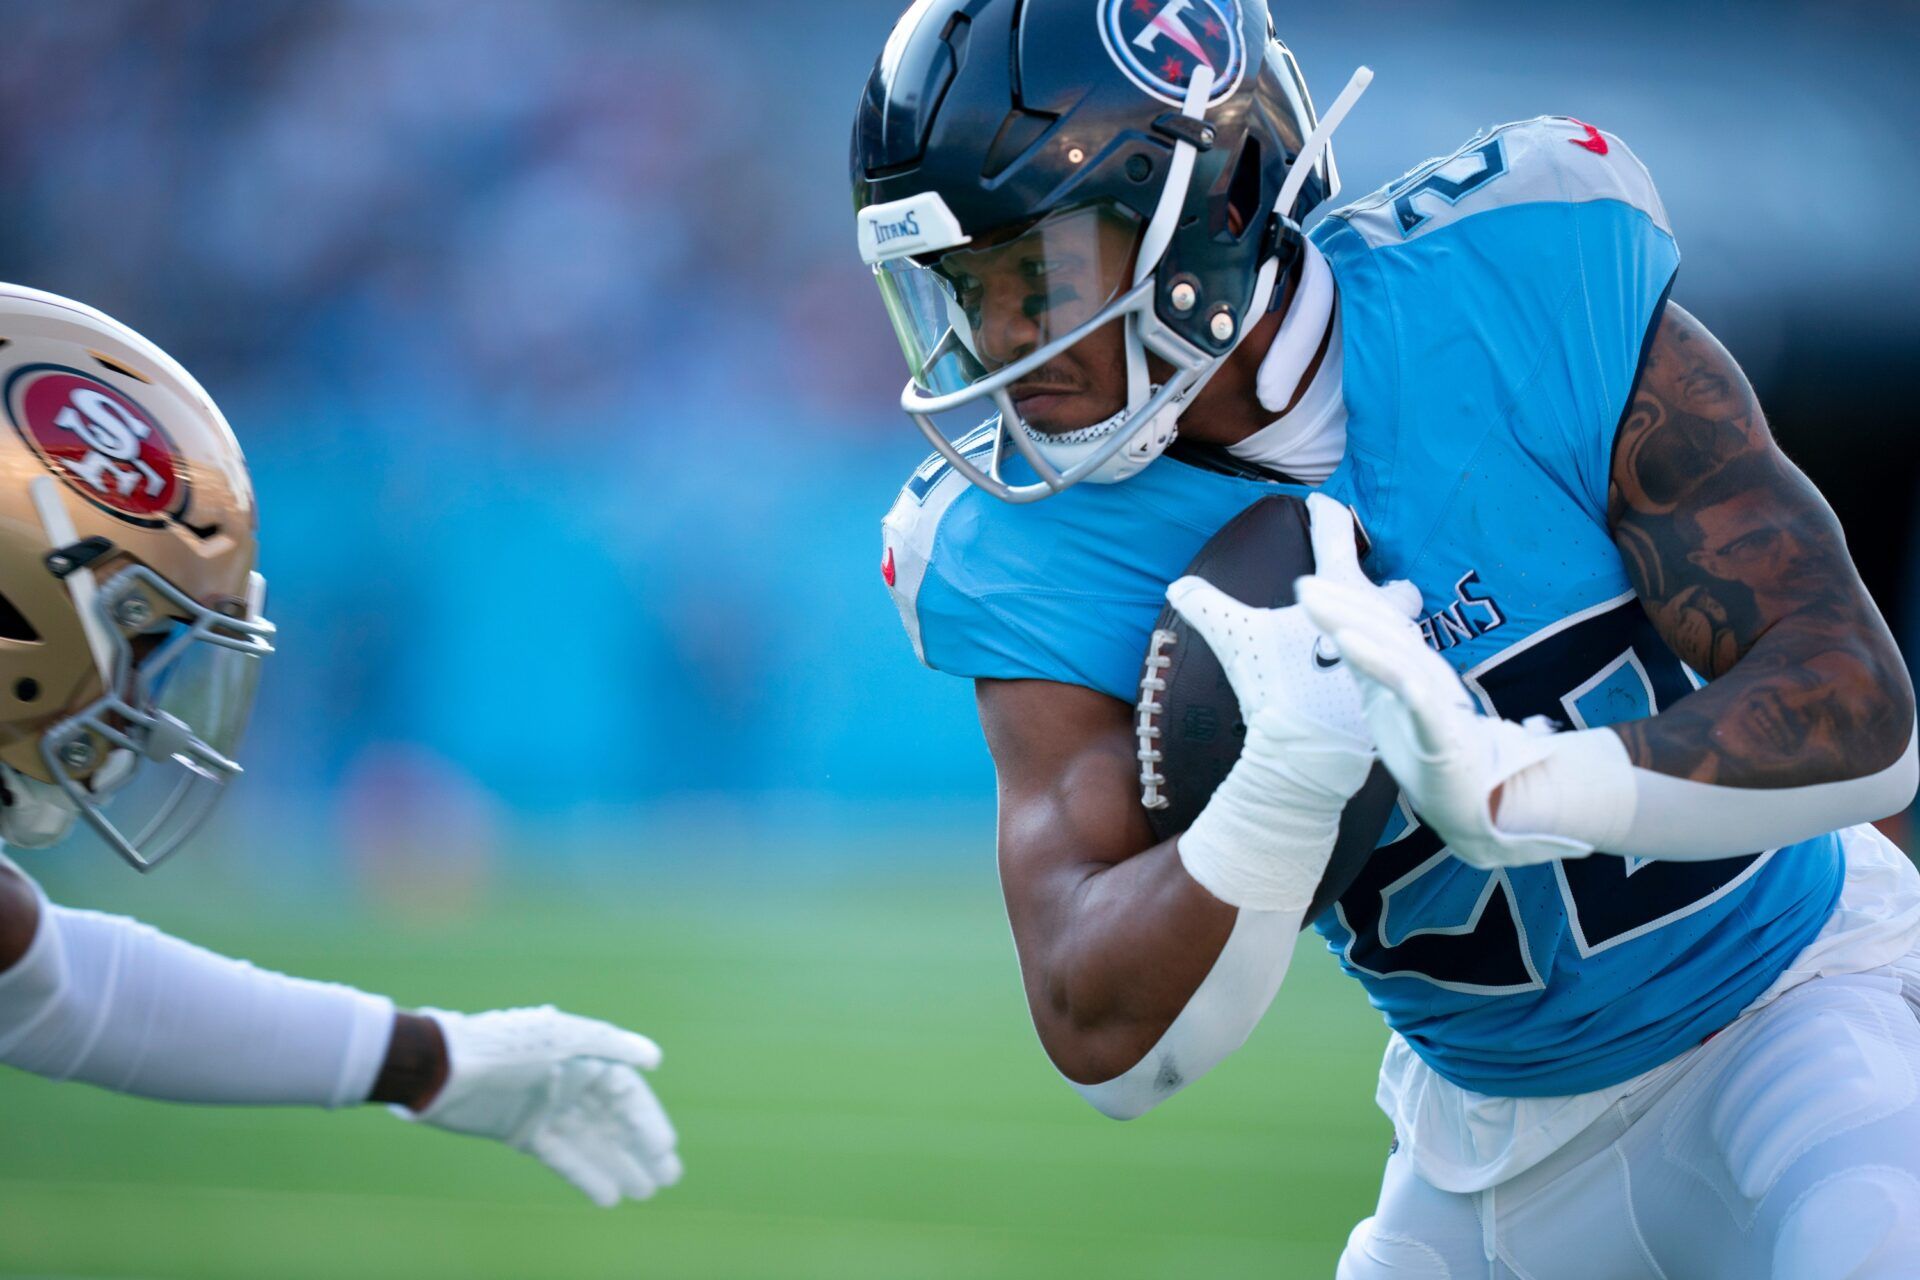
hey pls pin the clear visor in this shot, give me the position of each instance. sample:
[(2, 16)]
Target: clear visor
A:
[(160, 747), (978, 309)]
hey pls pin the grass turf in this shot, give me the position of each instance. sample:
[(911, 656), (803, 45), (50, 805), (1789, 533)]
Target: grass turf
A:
[(856, 1085)]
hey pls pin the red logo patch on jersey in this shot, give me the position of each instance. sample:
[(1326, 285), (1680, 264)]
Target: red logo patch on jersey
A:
[(99, 441), (886, 566), (1592, 142)]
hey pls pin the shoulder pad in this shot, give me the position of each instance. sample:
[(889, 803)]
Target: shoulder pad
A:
[(912, 524), (1065, 590), (1551, 159)]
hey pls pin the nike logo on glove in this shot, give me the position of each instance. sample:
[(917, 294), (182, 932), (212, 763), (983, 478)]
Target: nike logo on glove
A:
[(1324, 661)]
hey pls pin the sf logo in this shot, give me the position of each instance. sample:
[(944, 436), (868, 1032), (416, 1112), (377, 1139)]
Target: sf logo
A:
[(114, 440)]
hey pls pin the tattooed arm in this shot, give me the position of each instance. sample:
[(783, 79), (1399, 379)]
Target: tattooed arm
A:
[(1744, 571), (1806, 727)]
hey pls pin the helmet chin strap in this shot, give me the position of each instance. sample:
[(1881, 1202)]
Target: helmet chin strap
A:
[(1301, 331), (80, 582), (1317, 142), (35, 813), (1159, 233), (1268, 281), (1152, 436)]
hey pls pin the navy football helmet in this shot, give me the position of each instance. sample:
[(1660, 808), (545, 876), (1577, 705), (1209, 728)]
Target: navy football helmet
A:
[(1049, 189)]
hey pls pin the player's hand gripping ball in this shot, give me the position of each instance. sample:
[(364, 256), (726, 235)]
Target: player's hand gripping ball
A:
[(1450, 759), (564, 1089), (1192, 724)]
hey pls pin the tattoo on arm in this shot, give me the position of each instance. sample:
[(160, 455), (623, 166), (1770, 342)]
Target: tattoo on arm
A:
[(1744, 570)]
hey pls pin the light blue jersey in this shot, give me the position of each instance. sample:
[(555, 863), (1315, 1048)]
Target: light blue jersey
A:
[(1495, 305), (1066, 589)]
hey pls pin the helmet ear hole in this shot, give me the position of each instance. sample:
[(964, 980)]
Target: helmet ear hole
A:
[(14, 624), (1242, 210)]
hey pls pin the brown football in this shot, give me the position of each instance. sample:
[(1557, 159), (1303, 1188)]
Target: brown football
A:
[(1191, 730)]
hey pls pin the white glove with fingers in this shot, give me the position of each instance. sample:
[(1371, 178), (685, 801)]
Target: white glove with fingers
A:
[(1265, 836), (562, 1088), (1449, 759)]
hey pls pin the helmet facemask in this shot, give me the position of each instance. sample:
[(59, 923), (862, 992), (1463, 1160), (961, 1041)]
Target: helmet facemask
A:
[(1002, 322), (1149, 308), (178, 677)]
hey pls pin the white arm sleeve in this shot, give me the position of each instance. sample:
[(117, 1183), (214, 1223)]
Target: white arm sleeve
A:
[(1223, 1012), (1587, 789), (116, 1003), (1261, 844)]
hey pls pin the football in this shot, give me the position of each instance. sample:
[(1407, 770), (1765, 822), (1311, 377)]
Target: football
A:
[(1189, 724)]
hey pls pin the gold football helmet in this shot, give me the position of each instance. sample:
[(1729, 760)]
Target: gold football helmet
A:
[(130, 607)]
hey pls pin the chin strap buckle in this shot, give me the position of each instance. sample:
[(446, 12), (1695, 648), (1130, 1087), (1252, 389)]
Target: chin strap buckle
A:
[(64, 562), (1284, 240), (1178, 127)]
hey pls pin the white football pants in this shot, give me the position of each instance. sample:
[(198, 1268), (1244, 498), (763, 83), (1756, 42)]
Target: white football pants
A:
[(1787, 1149)]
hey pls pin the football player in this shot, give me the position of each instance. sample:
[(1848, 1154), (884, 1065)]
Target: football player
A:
[(1651, 983), (131, 636)]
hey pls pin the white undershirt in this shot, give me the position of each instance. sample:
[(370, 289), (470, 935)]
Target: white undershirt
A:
[(1307, 442)]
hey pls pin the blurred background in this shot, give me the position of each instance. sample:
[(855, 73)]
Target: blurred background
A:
[(572, 414)]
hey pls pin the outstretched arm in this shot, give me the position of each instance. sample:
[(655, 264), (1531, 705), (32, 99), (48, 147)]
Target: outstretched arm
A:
[(113, 1002), (1744, 570)]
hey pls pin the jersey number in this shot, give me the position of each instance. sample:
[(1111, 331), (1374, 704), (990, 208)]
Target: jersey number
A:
[(1493, 163), (1609, 899)]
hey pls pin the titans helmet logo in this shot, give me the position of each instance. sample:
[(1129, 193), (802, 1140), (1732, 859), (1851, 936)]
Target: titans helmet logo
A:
[(1158, 43)]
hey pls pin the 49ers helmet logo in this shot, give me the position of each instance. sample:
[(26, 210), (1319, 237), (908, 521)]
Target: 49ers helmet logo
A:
[(1158, 43), (99, 441)]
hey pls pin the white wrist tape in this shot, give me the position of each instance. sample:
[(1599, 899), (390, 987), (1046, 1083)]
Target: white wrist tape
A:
[(1264, 838), (115, 1003), (1223, 1011), (1587, 789)]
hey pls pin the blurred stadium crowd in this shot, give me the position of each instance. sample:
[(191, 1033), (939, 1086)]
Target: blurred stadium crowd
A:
[(571, 407), (550, 395)]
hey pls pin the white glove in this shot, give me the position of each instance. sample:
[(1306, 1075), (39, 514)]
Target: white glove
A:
[(561, 1088), (1264, 838), (1447, 757)]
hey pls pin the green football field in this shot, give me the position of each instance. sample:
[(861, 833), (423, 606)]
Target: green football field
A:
[(857, 1088)]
